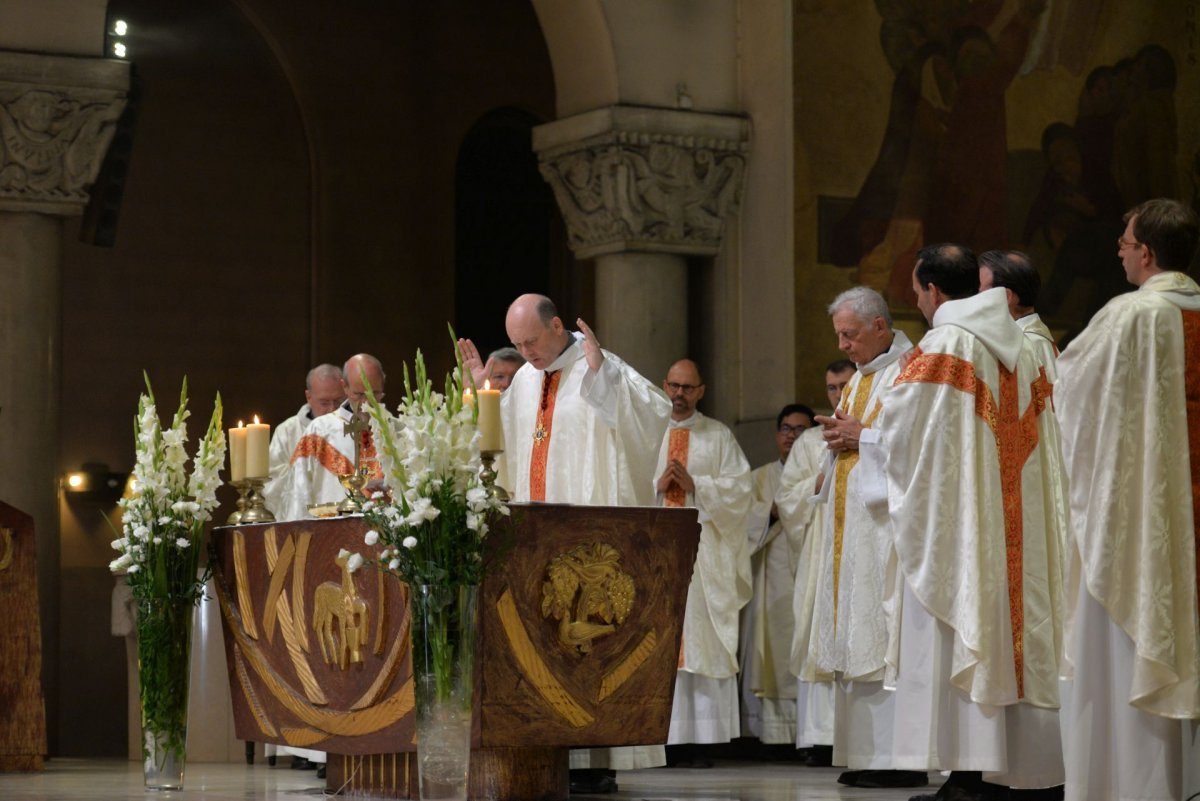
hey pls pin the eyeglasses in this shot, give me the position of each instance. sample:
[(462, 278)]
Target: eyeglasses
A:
[(785, 429), (1123, 243), (686, 389)]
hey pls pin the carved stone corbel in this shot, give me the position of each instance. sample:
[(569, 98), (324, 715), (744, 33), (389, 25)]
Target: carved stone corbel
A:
[(58, 115), (650, 180)]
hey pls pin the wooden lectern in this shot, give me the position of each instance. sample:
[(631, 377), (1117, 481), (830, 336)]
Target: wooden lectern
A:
[(320, 657), (23, 720)]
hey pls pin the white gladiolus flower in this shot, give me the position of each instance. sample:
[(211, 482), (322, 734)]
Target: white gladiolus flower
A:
[(182, 542), (157, 540), (410, 542), (394, 564), (371, 537), (355, 562)]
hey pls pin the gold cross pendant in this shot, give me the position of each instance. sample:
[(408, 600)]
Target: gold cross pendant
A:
[(539, 434)]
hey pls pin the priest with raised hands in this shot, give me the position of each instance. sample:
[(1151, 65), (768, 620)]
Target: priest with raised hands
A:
[(976, 502), (580, 426), (1128, 395), (701, 465), (326, 451)]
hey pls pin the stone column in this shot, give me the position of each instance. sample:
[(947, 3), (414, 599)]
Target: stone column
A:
[(641, 190), (57, 118)]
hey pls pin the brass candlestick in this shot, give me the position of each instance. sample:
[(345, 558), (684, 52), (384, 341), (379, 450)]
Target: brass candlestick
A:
[(256, 509), (243, 487), (488, 476)]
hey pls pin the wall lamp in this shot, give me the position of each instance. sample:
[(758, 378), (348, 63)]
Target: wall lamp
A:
[(94, 481)]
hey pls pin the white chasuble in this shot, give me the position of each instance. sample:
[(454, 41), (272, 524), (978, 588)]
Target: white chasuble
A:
[(601, 432), (768, 688), (721, 583), (1122, 400), (284, 440), (322, 456), (705, 704), (1041, 340), (849, 631), (976, 510), (975, 503)]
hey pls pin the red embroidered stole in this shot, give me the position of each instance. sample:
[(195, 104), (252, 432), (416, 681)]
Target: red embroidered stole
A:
[(541, 436), (333, 460), (1191, 372), (1016, 438), (677, 450)]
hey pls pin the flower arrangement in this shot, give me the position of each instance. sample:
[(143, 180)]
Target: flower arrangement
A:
[(433, 522), (160, 544)]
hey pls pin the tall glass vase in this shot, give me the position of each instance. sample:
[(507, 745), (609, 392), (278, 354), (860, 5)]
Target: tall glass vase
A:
[(443, 639), (164, 628)]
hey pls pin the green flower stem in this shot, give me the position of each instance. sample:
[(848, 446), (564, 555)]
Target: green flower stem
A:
[(164, 628)]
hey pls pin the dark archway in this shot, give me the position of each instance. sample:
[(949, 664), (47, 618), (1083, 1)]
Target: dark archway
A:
[(508, 235)]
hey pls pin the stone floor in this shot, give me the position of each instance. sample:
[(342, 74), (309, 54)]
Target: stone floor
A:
[(112, 780)]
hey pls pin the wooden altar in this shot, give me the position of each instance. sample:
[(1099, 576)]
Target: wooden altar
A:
[(320, 657), (23, 721)]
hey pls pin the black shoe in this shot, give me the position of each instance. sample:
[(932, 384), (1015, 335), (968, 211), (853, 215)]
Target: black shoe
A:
[(321, 771), (271, 760), (593, 781), (892, 778), (300, 763)]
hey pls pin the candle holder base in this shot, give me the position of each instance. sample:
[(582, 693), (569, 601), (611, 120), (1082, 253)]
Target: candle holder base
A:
[(488, 476), (256, 509), (242, 487)]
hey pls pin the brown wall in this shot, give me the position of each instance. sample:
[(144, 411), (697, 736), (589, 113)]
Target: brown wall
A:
[(288, 158)]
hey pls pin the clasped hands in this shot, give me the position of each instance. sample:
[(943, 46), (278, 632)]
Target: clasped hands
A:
[(675, 474), (841, 431)]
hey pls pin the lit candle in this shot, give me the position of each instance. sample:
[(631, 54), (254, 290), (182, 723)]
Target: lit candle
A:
[(258, 444), (468, 398), (490, 438), (237, 452)]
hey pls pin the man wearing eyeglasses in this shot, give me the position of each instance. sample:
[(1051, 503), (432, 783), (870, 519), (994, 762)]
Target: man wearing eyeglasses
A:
[(701, 465), (768, 690), (326, 451), (848, 635), (1128, 395)]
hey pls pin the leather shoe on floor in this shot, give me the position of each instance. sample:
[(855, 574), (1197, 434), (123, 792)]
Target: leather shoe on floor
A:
[(884, 778), (593, 781)]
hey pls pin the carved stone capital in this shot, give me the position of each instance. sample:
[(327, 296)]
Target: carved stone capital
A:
[(641, 179), (58, 115)]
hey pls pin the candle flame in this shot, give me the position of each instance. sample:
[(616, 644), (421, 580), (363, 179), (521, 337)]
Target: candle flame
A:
[(487, 384), (256, 420), (241, 424)]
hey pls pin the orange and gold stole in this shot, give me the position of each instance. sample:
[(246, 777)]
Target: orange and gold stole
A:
[(1191, 383), (541, 436), (677, 450)]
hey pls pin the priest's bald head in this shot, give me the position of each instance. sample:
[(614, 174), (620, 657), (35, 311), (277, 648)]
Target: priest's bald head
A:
[(355, 370), (536, 331), (945, 271), (862, 323)]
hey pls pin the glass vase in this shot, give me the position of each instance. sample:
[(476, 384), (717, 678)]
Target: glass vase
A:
[(164, 628), (443, 640)]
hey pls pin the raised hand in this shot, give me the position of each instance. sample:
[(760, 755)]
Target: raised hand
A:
[(473, 362), (591, 347)]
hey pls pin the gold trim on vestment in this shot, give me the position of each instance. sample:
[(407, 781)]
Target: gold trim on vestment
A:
[(846, 461)]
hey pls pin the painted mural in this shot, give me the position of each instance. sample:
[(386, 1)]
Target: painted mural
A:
[(944, 169)]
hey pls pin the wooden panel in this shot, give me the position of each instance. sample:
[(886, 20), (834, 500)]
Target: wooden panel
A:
[(23, 722)]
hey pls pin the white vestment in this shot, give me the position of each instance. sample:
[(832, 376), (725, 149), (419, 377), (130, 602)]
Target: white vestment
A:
[(767, 686), (705, 708), (803, 521), (604, 438), (1132, 640), (284, 440), (977, 505), (323, 454), (849, 636), (1038, 334)]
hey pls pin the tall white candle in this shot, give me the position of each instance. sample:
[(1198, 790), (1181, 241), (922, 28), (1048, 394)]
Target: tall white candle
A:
[(237, 452), (258, 447), (490, 435)]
